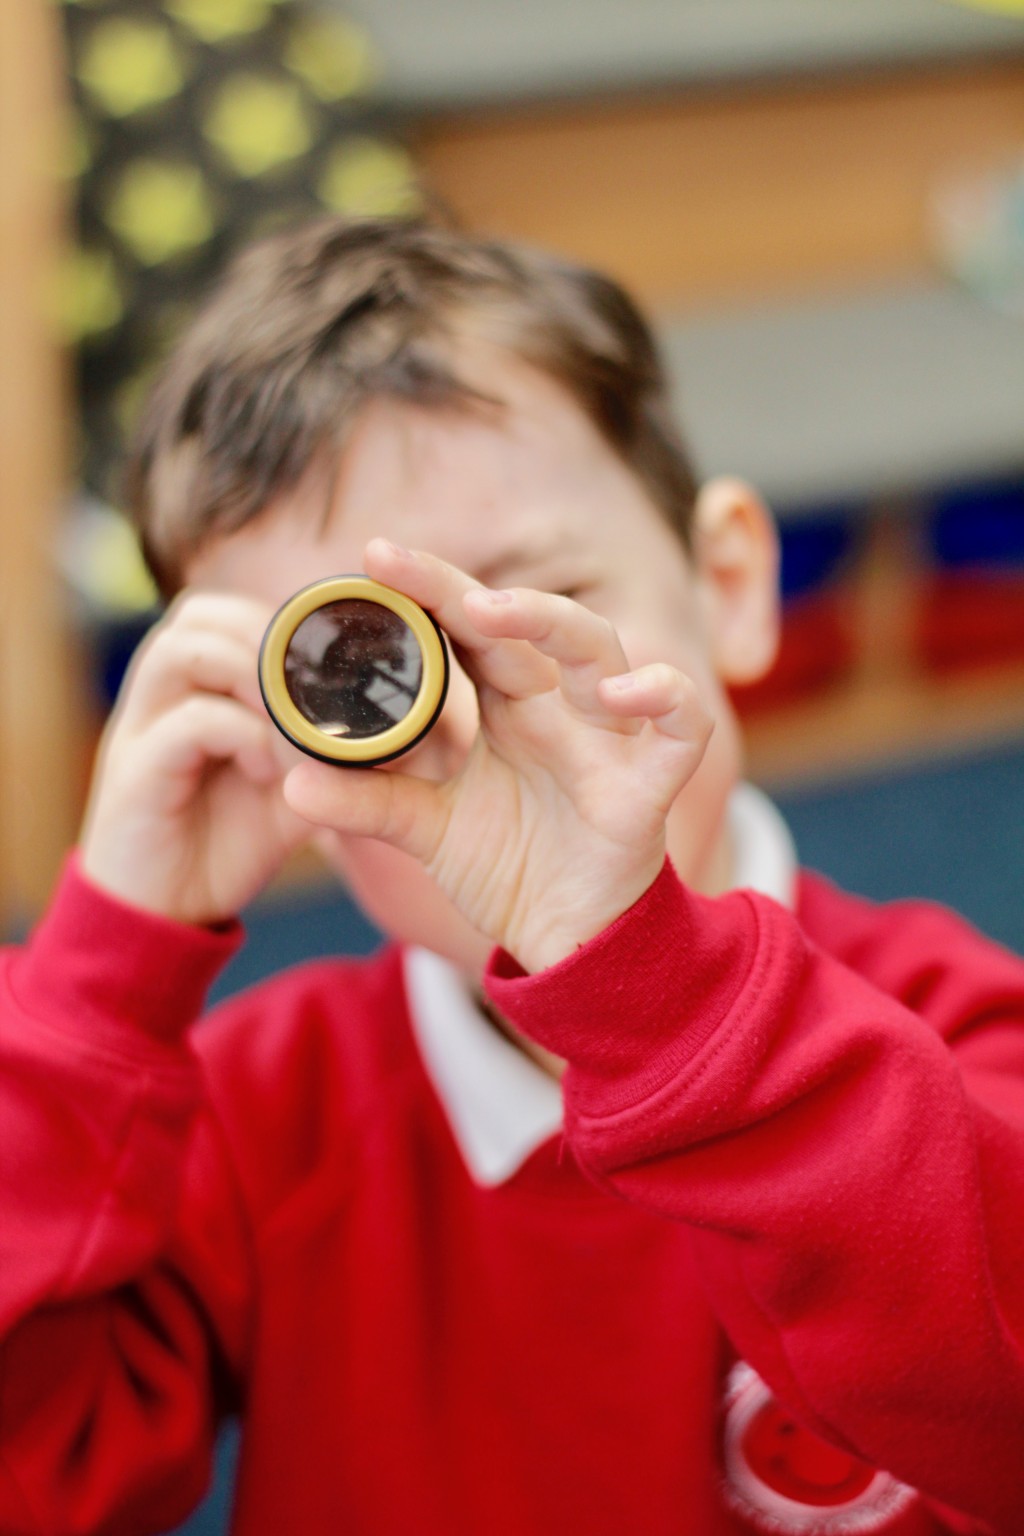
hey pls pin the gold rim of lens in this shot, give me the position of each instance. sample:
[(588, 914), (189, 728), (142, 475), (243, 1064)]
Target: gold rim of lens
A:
[(282, 707)]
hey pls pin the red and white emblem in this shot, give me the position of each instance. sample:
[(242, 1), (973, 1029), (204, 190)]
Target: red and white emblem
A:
[(785, 1479)]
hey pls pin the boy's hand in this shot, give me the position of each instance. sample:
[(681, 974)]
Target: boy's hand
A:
[(555, 824), (186, 816)]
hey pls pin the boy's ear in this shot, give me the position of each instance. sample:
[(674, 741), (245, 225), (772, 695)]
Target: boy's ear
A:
[(736, 550)]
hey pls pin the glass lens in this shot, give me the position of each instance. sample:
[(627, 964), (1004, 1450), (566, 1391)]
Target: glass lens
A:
[(353, 668)]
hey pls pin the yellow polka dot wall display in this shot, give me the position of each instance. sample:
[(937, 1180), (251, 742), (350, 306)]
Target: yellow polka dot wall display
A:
[(76, 151), (90, 299), (130, 65), (197, 126), (218, 21), (367, 178), (1003, 7), (335, 58), (160, 209), (257, 123)]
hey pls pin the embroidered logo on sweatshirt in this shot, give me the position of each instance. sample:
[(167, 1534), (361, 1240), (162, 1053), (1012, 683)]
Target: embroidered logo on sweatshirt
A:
[(785, 1479)]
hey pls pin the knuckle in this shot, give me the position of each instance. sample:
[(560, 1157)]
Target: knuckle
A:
[(689, 695), (201, 712), (180, 650), (666, 679), (185, 607), (435, 568), (692, 697), (156, 652), (160, 637), (607, 634), (191, 714)]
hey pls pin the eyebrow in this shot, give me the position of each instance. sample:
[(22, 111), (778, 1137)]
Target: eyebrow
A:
[(526, 554)]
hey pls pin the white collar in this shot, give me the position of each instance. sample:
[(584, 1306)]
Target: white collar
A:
[(500, 1104)]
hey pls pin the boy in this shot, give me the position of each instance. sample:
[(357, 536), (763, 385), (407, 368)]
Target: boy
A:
[(649, 1186)]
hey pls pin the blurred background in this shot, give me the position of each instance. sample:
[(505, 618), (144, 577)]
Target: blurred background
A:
[(821, 202)]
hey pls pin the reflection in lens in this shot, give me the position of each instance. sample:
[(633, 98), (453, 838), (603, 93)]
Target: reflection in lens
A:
[(353, 668)]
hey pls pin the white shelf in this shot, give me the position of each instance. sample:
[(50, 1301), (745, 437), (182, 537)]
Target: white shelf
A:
[(442, 54), (883, 394)]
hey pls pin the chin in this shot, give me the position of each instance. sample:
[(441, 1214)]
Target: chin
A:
[(398, 896)]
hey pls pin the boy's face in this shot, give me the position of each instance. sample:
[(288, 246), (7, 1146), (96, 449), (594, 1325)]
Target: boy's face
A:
[(527, 496)]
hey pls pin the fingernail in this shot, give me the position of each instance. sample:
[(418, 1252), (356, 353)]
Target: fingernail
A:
[(498, 597), (621, 684), (397, 549)]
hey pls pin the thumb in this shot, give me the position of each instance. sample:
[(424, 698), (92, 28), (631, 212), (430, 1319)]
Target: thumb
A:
[(407, 812)]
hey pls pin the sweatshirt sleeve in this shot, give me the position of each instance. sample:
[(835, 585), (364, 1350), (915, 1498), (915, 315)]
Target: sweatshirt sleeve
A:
[(119, 1297), (849, 1157)]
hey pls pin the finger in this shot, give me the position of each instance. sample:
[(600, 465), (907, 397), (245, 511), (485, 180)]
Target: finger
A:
[(407, 812), (584, 646), (512, 667), (244, 617), (662, 695), (204, 729), (200, 614), (183, 660)]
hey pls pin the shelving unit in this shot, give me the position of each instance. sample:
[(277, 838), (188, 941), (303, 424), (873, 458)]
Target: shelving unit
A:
[(872, 402), (899, 390), (780, 228), (889, 709), (894, 720), (459, 55)]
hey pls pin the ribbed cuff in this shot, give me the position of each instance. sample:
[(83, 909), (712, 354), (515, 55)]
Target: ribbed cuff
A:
[(95, 965), (637, 1002)]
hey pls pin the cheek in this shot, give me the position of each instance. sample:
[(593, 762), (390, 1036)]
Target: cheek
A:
[(399, 896), (378, 876), (680, 647)]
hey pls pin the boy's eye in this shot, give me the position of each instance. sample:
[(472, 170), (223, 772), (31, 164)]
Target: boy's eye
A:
[(586, 596)]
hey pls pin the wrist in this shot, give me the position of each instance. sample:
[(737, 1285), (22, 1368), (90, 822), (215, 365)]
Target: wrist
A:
[(97, 963), (641, 999), (135, 884), (114, 883), (554, 943)]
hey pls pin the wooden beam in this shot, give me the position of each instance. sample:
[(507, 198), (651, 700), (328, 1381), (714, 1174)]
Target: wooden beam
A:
[(40, 735), (753, 193)]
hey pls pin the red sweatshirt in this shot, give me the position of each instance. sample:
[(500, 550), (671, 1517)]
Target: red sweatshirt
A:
[(792, 1140)]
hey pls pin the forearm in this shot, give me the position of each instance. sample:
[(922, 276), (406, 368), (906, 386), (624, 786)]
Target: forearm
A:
[(848, 1182), (113, 1179), (97, 1093)]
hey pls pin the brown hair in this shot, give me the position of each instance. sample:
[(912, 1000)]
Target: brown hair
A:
[(308, 325)]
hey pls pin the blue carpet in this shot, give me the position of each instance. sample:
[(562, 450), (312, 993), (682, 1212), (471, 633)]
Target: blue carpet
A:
[(951, 830)]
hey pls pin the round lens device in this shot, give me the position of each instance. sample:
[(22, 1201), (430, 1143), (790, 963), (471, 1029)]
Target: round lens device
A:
[(352, 671), (353, 668)]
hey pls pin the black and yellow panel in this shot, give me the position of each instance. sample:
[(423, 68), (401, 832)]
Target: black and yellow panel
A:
[(199, 124)]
